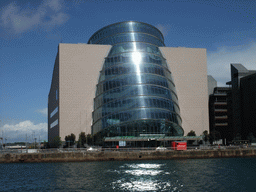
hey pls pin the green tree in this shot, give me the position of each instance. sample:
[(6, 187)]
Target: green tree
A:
[(70, 140), (206, 135), (81, 140), (191, 133), (89, 139), (57, 141)]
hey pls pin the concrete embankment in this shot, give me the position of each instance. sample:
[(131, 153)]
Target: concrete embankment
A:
[(124, 155)]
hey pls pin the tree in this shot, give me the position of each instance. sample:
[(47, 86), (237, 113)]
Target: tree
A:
[(191, 133), (206, 136), (84, 139), (89, 139), (70, 140), (81, 140), (57, 141)]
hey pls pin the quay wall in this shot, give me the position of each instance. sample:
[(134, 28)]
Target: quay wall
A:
[(123, 155)]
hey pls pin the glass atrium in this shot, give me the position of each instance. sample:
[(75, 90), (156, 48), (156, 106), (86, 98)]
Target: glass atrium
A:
[(135, 95)]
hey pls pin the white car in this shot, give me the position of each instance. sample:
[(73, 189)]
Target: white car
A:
[(92, 149), (161, 149)]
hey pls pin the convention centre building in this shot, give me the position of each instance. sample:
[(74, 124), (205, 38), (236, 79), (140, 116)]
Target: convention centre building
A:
[(125, 83)]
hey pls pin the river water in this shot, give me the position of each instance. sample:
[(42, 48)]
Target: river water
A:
[(230, 174)]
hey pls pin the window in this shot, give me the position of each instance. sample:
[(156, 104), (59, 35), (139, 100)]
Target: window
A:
[(56, 122), (54, 112)]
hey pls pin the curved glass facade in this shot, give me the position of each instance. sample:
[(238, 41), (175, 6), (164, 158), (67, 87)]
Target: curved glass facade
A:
[(135, 94)]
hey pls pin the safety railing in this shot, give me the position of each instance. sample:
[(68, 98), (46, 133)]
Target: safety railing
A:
[(120, 149)]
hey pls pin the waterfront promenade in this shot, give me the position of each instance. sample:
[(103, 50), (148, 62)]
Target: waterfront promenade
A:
[(77, 155)]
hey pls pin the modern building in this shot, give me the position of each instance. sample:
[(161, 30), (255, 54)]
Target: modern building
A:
[(212, 83), (242, 102), (218, 115), (125, 82)]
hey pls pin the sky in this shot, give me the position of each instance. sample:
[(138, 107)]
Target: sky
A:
[(30, 31)]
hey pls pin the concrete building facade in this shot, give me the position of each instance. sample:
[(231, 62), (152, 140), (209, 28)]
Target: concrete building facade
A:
[(78, 73)]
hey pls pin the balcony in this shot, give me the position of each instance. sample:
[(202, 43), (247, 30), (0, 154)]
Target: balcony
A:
[(220, 110), (220, 103), (221, 124), (220, 94), (221, 117)]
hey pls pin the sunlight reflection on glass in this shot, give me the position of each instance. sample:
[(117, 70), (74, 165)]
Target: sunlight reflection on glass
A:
[(136, 58)]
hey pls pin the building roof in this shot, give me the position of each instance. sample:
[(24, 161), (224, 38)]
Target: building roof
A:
[(239, 67), (126, 22)]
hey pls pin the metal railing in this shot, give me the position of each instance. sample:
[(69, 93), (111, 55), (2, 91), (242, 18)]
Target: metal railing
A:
[(140, 149)]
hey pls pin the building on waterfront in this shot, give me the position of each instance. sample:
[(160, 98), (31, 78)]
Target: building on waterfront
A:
[(125, 82), (242, 102), (218, 115), (212, 83)]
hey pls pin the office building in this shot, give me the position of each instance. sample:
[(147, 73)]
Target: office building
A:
[(126, 82), (218, 115), (242, 102)]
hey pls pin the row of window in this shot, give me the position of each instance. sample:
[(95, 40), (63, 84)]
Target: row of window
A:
[(132, 79), (128, 58), (136, 128), (56, 122), (54, 112), (128, 91), (125, 27), (134, 102), (138, 114), (128, 68), (130, 46), (130, 37)]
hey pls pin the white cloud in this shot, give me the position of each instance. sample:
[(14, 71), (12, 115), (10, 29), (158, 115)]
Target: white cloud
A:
[(43, 111), (18, 132), (18, 19), (219, 61), (54, 4)]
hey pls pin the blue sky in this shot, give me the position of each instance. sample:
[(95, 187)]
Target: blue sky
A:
[(30, 31)]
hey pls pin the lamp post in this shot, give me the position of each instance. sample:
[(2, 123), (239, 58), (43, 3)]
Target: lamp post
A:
[(26, 144), (2, 142)]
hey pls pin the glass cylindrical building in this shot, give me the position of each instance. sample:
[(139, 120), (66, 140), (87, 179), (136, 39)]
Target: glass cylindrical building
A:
[(135, 94)]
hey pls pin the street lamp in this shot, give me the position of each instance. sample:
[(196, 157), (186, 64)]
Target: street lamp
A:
[(5, 142), (2, 142)]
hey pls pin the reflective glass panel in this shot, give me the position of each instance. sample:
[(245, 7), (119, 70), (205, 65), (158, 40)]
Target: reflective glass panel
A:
[(135, 93)]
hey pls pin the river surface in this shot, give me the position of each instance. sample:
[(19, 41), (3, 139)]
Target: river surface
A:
[(229, 174)]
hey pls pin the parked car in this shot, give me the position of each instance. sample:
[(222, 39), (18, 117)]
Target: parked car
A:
[(161, 149), (91, 149)]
